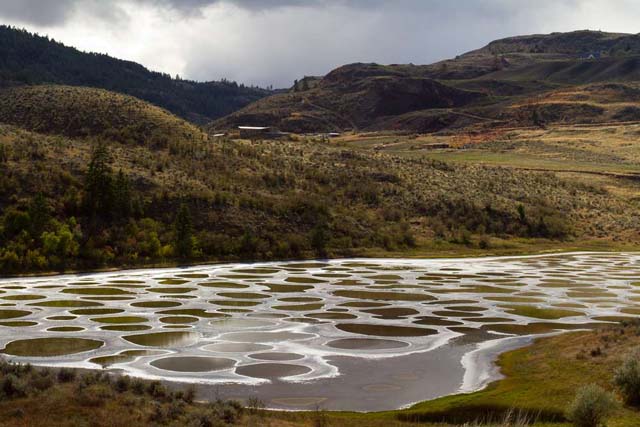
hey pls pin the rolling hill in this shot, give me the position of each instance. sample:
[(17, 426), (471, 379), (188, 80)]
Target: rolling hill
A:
[(27, 58), (250, 200), (80, 112), (476, 89)]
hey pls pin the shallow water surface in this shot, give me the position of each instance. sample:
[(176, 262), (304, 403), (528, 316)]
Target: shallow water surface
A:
[(300, 333)]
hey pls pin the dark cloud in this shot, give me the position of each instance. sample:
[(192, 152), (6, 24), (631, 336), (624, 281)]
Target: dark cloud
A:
[(37, 11), (276, 41)]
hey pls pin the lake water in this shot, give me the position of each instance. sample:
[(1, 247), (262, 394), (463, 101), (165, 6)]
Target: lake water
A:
[(359, 334)]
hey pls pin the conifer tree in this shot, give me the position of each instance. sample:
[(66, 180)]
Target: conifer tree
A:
[(98, 189), (184, 244), (122, 196)]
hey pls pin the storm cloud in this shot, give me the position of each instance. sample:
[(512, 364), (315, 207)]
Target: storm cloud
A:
[(273, 42)]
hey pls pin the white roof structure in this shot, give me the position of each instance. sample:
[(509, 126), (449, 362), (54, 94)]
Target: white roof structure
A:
[(253, 127)]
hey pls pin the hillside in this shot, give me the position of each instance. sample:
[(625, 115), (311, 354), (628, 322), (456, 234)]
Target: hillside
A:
[(67, 204), (478, 88), (353, 96), (27, 58), (93, 113)]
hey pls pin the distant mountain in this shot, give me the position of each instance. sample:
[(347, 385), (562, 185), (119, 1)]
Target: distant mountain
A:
[(27, 58), (505, 82)]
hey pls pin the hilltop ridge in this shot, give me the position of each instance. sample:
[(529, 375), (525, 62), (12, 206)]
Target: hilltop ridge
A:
[(27, 58), (478, 88)]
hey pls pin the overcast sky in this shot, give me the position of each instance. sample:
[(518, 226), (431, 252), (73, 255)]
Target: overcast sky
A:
[(273, 42)]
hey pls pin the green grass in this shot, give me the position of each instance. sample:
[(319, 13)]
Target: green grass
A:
[(527, 161)]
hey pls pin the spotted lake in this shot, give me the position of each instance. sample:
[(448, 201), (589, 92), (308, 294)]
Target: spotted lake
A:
[(358, 334)]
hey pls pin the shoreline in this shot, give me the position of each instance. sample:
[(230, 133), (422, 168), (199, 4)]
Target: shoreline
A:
[(590, 246), (475, 368)]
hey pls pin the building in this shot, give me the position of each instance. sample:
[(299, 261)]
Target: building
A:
[(254, 132)]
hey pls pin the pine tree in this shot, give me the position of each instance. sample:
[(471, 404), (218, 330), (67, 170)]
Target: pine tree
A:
[(98, 189), (123, 206), (184, 244)]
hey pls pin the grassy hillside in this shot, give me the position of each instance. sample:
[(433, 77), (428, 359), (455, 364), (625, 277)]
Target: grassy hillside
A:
[(29, 59), (96, 113), (248, 200)]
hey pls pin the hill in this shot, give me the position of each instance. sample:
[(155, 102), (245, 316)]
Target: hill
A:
[(80, 112), (478, 88), (353, 96), (75, 193), (27, 58)]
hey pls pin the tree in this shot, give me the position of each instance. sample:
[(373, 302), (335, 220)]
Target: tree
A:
[(98, 189), (122, 196), (522, 214), (4, 153), (38, 215), (320, 236), (184, 241), (536, 118)]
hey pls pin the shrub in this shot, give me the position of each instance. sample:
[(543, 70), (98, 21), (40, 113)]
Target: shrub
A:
[(122, 384), (138, 387), (627, 378), (66, 375), (156, 390), (189, 394), (255, 405), (4, 153), (42, 381), (12, 387), (591, 407)]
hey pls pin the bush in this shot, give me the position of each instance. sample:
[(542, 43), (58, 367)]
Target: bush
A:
[(627, 378), (591, 407), (255, 405), (189, 394), (122, 384), (156, 390), (12, 387), (66, 375)]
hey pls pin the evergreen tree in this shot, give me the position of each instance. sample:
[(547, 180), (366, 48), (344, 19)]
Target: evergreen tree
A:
[(536, 118), (522, 214), (184, 243), (98, 189), (123, 206)]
